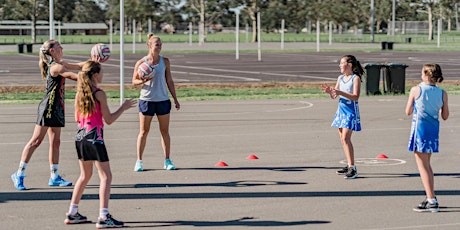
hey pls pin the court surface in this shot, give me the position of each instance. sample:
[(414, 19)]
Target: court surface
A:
[(293, 184), (224, 68)]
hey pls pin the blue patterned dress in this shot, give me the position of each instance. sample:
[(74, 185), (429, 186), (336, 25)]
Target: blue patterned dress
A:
[(424, 136), (347, 115)]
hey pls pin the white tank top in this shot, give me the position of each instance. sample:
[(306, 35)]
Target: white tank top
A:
[(156, 89), (347, 86)]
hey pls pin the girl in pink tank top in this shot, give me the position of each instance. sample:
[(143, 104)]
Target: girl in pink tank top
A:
[(91, 109)]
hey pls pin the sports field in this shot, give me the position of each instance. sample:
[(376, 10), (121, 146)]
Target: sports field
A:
[(293, 184)]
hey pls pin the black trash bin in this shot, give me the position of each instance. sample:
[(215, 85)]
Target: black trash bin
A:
[(390, 45), (384, 45), (21, 48), (408, 40), (373, 78), (396, 80), (29, 48)]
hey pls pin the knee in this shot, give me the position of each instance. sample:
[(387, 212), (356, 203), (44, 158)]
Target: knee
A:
[(345, 140), (106, 177), (164, 132), (85, 177), (143, 133), (34, 143)]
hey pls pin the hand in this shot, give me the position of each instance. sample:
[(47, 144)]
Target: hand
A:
[(129, 103), (177, 104), (326, 88), (147, 78), (331, 91), (95, 58)]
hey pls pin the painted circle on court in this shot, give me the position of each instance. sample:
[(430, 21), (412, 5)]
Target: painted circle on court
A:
[(376, 162)]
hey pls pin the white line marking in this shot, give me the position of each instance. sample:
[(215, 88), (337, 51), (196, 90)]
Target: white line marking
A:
[(376, 162), (253, 72), (308, 105)]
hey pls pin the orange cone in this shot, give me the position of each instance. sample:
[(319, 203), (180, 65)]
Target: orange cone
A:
[(221, 164), (252, 157), (382, 156)]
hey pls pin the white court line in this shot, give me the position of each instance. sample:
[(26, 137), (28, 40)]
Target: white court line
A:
[(308, 105), (226, 71), (254, 72), (189, 73), (217, 76)]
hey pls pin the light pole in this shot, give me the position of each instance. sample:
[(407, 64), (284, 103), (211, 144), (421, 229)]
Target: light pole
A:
[(51, 19), (372, 21)]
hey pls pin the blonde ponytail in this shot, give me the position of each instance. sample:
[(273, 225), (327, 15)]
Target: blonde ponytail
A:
[(86, 103), (45, 57)]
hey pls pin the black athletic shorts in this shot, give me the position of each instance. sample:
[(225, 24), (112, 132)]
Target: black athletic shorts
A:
[(150, 108)]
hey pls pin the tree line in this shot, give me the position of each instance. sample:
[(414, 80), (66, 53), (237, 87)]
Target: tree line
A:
[(297, 14)]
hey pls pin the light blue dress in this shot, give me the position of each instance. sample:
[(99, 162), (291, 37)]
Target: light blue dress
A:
[(424, 135), (347, 115)]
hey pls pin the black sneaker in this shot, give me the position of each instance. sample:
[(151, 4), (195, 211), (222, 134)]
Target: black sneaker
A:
[(343, 170), (75, 219), (351, 174), (109, 222), (425, 206)]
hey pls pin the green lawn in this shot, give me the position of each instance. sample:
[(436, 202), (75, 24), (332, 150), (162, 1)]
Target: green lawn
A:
[(451, 38), (195, 93)]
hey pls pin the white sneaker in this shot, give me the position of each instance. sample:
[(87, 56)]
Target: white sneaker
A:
[(138, 166)]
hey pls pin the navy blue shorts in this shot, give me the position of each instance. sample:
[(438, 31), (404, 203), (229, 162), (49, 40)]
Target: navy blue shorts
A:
[(150, 108)]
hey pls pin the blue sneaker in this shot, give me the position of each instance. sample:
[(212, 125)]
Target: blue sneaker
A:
[(58, 181), (18, 181), (169, 165)]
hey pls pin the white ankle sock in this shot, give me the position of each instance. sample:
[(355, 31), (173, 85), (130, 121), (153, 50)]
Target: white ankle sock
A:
[(73, 209)]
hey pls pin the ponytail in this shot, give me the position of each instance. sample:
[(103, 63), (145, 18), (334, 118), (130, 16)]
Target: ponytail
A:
[(86, 103), (45, 57)]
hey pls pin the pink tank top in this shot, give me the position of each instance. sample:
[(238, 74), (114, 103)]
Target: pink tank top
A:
[(93, 124)]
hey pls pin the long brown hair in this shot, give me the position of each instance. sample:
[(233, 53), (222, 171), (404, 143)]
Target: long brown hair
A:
[(45, 57), (86, 103)]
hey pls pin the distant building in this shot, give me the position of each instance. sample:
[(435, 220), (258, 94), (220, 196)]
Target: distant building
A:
[(24, 27)]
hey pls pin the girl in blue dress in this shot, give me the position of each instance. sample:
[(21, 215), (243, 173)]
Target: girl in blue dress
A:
[(426, 103), (347, 117)]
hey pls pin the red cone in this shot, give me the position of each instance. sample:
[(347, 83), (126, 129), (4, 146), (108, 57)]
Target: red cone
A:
[(221, 164), (382, 156), (252, 157)]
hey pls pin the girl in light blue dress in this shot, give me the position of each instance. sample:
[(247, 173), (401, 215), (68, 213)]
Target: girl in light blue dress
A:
[(347, 117), (426, 103)]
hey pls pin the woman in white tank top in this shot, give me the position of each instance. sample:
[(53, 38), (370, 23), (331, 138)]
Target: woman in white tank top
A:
[(154, 99)]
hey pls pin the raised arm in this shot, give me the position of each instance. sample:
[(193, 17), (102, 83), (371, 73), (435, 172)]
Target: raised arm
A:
[(58, 69), (108, 116)]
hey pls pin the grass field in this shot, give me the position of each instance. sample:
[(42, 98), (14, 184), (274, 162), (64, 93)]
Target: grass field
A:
[(203, 92), (451, 38)]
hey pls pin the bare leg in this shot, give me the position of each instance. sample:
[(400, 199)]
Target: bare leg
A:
[(144, 130), (86, 171), (54, 134), (34, 142), (345, 138), (163, 121), (105, 176), (426, 173)]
